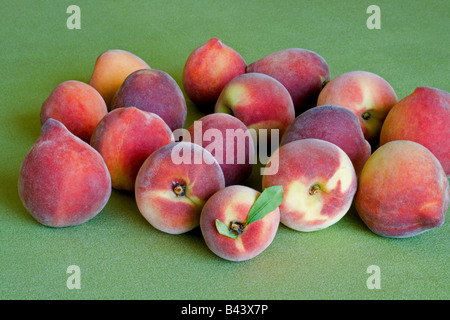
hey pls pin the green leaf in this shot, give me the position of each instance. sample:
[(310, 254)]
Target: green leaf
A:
[(267, 201), (223, 230)]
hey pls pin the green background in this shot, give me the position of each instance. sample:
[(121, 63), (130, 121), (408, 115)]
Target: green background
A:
[(119, 254)]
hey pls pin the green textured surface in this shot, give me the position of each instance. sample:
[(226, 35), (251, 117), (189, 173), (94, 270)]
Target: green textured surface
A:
[(119, 254)]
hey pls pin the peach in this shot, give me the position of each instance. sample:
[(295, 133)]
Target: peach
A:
[(422, 117), (231, 206), (111, 69), (125, 137), (63, 181), (229, 141), (334, 124), (171, 189), (303, 72), (77, 105), (366, 94), (154, 91), (319, 183), (403, 190), (259, 101), (208, 69)]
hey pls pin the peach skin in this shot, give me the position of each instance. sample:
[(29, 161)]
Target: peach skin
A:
[(125, 137), (171, 189), (77, 105), (422, 117), (403, 190), (63, 181)]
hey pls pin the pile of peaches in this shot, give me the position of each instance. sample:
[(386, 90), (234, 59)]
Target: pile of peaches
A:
[(337, 142)]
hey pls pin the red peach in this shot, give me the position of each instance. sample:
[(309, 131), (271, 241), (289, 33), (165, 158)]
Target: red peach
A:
[(319, 183), (259, 101), (208, 69), (334, 124), (171, 189), (63, 181), (154, 91), (403, 190), (125, 137), (111, 69), (77, 105), (229, 141), (422, 117), (302, 72), (366, 94), (233, 204)]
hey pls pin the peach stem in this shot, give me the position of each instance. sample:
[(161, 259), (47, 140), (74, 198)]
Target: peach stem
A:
[(179, 190), (314, 189), (236, 227)]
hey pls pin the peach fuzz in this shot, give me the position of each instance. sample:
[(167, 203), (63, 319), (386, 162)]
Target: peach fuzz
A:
[(63, 181), (366, 94), (171, 189), (403, 190), (233, 204), (422, 117), (229, 141), (111, 69), (303, 73), (334, 124), (77, 105), (125, 137), (208, 69), (319, 183), (153, 91), (259, 101)]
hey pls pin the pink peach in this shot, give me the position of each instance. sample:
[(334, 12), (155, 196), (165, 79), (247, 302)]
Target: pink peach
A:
[(422, 117), (403, 190), (334, 124), (319, 183), (125, 137), (77, 105), (154, 91), (208, 69), (63, 181), (259, 101), (231, 206), (303, 73), (174, 183), (229, 141), (367, 95)]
